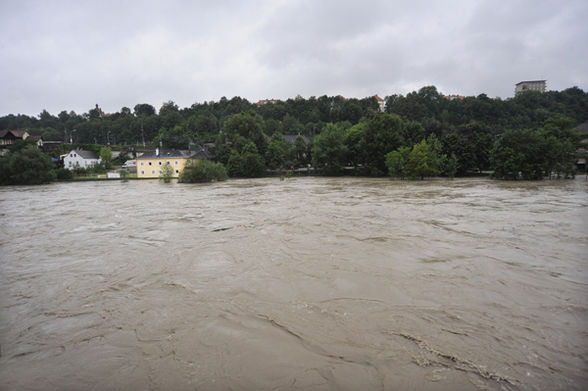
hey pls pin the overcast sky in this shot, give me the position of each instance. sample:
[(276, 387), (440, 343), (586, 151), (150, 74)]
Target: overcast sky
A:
[(70, 55)]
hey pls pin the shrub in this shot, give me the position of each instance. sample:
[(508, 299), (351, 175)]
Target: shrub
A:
[(203, 171), (63, 174), (24, 164), (167, 173)]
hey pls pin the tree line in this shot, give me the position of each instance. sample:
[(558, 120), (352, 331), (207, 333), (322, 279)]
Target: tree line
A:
[(420, 134)]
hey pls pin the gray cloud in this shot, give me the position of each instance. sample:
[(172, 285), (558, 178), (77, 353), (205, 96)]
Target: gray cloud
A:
[(69, 55)]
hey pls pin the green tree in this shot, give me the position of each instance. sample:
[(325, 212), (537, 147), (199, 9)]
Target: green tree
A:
[(25, 164), (167, 173), (519, 154), (252, 165), (355, 142), (278, 152), (329, 153), (383, 134), (234, 164), (561, 143), (174, 138), (451, 166), (105, 157), (248, 125), (397, 162), (203, 170), (423, 160), (301, 152), (168, 107), (144, 109)]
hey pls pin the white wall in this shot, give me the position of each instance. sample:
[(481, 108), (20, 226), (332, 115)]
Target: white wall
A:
[(73, 160)]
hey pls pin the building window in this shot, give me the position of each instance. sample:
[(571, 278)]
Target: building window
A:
[(177, 171), (159, 172), (142, 163), (149, 163), (142, 172), (160, 163), (153, 171), (177, 162), (168, 163)]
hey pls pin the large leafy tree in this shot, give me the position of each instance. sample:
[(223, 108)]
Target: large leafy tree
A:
[(329, 153), (424, 159), (251, 161), (248, 125), (24, 164), (382, 134), (519, 154), (203, 171), (278, 152), (105, 157), (397, 162), (143, 109)]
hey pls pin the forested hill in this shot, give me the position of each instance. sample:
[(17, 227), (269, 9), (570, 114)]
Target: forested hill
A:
[(467, 134), (202, 121)]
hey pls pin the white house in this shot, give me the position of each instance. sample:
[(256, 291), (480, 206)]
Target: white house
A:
[(78, 158)]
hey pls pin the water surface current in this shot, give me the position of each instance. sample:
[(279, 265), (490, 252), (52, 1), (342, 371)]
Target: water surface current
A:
[(306, 283)]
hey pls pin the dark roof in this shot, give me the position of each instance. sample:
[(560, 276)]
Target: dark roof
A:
[(203, 154), (583, 127), (291, 138), (174, 153), (15, 133), (85, 154)]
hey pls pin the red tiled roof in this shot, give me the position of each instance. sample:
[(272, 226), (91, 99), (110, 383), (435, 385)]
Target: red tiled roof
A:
[(452, 97), (378, 98), (266, 101)]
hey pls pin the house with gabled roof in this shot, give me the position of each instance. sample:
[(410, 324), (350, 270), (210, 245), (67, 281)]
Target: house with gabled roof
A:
[(79, 158), (8, 137)]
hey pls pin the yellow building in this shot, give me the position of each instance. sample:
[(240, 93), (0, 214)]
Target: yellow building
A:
[(151, 163)]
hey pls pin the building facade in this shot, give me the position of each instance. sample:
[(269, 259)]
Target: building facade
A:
[(150, 164), (530, 85), (381, 103), (78, 158)]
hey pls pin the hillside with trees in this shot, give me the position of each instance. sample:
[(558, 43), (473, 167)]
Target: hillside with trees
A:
[(529, 136)]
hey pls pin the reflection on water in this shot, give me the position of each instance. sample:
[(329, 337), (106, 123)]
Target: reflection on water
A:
[(308, 283)]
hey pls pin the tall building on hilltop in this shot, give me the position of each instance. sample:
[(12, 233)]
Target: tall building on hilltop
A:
[(530, 85)]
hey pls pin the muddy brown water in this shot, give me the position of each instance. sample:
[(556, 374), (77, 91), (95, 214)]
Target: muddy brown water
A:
[(306, 283)]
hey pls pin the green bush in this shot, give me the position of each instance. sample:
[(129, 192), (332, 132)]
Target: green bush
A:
[(63, 174), (203, 171), (24, 164)]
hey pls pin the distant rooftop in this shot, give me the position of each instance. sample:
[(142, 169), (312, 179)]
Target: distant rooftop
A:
[(85, 154), (531, 81)]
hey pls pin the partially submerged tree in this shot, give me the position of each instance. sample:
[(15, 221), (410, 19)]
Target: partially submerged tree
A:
[(167, 173), (203, 171)]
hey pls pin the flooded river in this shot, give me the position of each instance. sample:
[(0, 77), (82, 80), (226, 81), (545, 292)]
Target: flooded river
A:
[(306, 283)]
